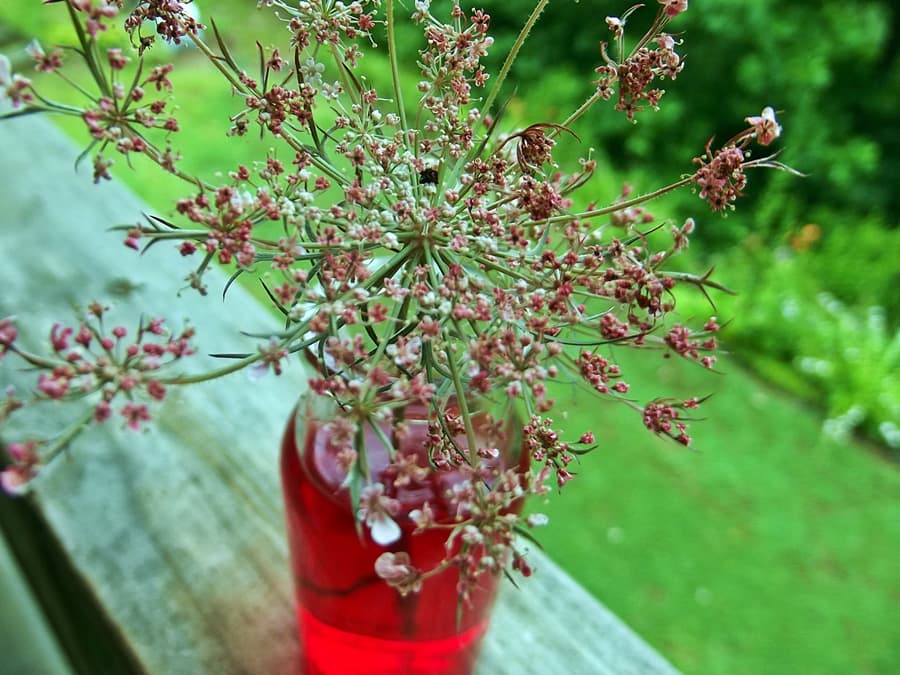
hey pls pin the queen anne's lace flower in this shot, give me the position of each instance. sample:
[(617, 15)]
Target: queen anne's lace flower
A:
[(432, 259)]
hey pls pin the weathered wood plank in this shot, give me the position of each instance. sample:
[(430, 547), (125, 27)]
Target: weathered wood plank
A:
[(177, 532), (86, 634), (26, 643)]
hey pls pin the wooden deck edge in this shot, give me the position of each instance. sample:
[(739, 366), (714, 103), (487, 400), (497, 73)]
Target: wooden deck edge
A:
[(89, 638)]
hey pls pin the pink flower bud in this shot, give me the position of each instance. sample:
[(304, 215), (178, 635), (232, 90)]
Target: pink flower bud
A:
[(102, 412), (13, 480), (8, 335)]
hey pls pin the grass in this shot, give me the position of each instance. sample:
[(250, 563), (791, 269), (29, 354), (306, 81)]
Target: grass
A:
[(767, 550)]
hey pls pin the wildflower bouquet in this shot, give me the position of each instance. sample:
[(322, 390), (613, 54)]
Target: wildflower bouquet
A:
[(419, 251)]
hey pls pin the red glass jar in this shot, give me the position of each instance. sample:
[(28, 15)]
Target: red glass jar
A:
[(350, 621)]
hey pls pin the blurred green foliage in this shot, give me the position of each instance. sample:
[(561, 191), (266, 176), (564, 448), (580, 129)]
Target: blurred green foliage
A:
[(829, 67), (834, 348)]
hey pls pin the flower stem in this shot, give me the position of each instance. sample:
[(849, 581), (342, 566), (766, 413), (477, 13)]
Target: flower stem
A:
[(571, 119), (68, 436), (216, 61), (39, 361), (513, 54), (463, 406), (395, 69), (213, 374), (88, 53), (618, 206), (349, 86)]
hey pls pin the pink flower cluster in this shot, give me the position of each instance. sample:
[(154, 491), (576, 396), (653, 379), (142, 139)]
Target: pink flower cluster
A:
[(171, 20), (87, 361), (14, 87), (721, 176), (685, 342), (664, 417), (635, 75)]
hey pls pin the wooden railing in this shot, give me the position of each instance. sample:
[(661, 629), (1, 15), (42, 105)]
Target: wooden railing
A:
[(162, 551)]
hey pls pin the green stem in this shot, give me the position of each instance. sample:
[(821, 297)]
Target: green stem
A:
[(508, 271), (349, 86), (395, 69), (390, 267), (155, 156), (88, 53), (39, 361), (618, 206), (316, 158), (463, 406), (217, 62), (213, 374), (63, 441), (513, 54), (655, 29), (177, 234), (571, 119), (72, 83)]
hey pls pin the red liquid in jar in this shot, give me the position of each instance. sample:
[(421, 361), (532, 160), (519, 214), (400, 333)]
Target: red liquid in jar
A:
[(351, 621)]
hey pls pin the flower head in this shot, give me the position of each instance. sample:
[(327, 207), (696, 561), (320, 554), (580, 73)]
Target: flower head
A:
[(43, 62), (673, 8), (13, 86), (437, 260), (765, 127)]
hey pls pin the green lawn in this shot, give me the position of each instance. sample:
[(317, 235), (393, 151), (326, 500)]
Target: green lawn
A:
[(768, 549)]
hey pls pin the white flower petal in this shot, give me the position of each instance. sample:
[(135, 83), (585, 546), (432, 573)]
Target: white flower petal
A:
[(383, 529), (34, 49)]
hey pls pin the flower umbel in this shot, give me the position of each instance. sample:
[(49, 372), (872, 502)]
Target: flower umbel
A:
[(425, 252), (87, 364)]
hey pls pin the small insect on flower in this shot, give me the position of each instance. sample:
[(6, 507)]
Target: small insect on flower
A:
[(428, 176)]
